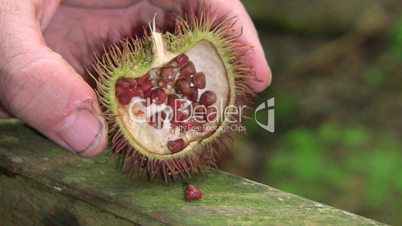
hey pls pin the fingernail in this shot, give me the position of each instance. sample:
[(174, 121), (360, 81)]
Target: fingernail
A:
[(81, 131)]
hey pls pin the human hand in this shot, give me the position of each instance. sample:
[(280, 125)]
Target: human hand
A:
[(45, 47)]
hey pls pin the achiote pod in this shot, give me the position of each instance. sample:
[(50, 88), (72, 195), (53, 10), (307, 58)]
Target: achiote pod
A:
[(170, 98)]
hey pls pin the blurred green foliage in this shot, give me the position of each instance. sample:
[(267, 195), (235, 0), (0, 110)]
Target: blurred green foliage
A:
[(348, 165), (338, 128), (337, 160), (396, 38)]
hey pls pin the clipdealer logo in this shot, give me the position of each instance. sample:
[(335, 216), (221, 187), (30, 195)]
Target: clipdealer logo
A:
[(268, 106), (154, 109)]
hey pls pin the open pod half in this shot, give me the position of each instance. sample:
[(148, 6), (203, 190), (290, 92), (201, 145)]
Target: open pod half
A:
[(173, 101)]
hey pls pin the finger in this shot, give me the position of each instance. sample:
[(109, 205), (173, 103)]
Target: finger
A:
[(39, 87), (249, 37), (4, 113), (100, 4)]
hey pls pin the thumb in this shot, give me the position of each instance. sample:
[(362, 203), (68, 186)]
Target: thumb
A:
[(38, 86)]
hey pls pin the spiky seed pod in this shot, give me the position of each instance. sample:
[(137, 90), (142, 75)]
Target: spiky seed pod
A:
[(202, 58)]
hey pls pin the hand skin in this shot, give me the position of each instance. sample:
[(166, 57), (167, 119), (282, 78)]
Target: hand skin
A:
[(45, 46)]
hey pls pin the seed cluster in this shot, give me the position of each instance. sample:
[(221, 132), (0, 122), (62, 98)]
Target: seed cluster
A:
[(177, 85)]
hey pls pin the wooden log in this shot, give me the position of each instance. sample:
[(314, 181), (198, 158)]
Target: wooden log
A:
[(41, 184)]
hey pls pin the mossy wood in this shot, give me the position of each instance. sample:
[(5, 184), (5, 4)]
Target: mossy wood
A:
[(41, 184)]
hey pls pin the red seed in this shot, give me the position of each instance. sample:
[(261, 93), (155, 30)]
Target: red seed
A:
[(123, 83), (198, 108), (181, 59), (120, 90), (167, 74), (143, 79), (146, 86), (158, 96), (199, 80), (133, 83), (187, 70), (183, 86), (147, 94), (192, 107), (134, 92), (175, 146), (179, 118), (211, 114), (174, 102), (192, 193), (193, 94), (167, 77), (147, 97), (124, 99), (208, 98), (195, 105), (199, 114)]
